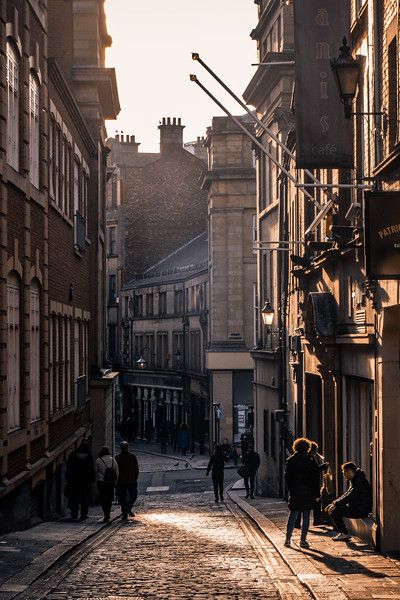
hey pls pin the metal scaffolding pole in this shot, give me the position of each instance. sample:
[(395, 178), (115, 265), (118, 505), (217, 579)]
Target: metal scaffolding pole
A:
[(256, 142)]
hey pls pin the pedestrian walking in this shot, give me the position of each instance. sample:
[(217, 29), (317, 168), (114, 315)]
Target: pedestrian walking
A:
[(106, 469), (127, 480), (356, 503), (229, 451), (323, 467), (302, 480), (79, 475), (217, 465), (184, 438), (251, 463)]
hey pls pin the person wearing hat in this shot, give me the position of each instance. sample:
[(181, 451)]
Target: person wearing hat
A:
[(79, 475), (127, 480)]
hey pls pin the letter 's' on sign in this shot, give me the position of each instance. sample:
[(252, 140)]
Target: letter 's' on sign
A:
[(324, 136)]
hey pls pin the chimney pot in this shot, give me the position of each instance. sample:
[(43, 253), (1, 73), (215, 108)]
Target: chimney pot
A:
[(163, 121), (179, 120), (174, 121), (168, 120), (117, 137)]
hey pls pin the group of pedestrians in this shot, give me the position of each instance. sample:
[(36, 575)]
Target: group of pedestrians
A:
[(248, 470), (114, 476), (303, 481)]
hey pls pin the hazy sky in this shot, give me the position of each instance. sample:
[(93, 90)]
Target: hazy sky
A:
[(151, 51)]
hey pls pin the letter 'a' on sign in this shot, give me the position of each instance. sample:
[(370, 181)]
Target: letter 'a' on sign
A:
[(382, 235), (324, 137)]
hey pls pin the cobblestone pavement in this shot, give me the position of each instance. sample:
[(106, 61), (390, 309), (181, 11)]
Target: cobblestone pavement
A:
[(178, 547)]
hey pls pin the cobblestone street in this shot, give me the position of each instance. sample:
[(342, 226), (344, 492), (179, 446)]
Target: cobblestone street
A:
[(181, 546)]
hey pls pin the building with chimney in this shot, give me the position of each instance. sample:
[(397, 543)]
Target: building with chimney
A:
[(57, 94), (155, 206)]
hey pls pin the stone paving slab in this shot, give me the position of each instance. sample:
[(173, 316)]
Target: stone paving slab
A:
[(334, 570)]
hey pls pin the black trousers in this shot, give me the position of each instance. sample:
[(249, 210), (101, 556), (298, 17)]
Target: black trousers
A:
[(344, 511), (106, 493), (250, 479), (218, 484), (79, 497)]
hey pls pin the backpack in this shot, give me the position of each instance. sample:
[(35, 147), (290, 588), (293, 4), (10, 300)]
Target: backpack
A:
[(110, 474)]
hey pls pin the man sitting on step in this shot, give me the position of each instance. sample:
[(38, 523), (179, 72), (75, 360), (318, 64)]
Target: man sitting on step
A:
[(356, 503)]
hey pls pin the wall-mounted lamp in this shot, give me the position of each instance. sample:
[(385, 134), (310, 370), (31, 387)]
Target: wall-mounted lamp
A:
[(268, 315)]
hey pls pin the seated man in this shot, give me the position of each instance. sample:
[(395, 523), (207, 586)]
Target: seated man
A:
[(356, 503)]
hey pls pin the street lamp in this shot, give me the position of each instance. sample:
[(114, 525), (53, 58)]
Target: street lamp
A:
[(268, 315), (141, 363), (346, 70)]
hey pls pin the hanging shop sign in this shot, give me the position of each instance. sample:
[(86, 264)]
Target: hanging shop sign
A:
[(324, 137), (382, 235)]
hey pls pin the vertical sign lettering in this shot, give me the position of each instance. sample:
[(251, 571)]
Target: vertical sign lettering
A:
[(324, 136)]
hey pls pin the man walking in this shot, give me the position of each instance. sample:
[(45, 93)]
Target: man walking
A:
[(356, 503), (252, 463), (80, 475), (127, 480)]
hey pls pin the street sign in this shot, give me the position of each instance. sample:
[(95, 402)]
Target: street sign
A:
[(324, 138), (382, 235)]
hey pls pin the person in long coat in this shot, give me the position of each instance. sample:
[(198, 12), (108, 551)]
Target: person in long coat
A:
[(302, 477), (217, 465), (80, 475), (106, 469)]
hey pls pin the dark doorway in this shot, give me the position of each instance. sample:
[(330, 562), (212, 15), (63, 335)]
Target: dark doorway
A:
[(313, 402)]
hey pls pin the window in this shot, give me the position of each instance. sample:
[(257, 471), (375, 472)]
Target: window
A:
[(12, 106), (138, 305), (112, 289), (162, 303), (177, 350), (358, 415), (112, 240), (34, 350), (194, 351), (137, 345), (179, 301), (76, 186), (162, 350), (148, 350), (67, 177), (34, 129), (112, 342), (149, 305), (13, 351), (266, 432), (51, 156)]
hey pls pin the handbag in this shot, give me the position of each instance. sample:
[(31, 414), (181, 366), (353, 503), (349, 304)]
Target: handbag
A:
[(242, 471)]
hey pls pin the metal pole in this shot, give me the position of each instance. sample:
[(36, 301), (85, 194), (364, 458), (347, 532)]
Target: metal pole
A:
[(355, 186), (196, 57), (254, 140), (267, 64)]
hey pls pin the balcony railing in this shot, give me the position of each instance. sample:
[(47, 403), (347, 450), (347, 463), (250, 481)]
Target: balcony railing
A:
[(79, 232), (80, 392)]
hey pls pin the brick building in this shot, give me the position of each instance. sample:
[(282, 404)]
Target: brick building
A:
[(332, 371), (164, 189), (56, 96)]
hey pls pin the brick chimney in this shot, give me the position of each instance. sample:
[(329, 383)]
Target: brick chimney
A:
[(171, 135)]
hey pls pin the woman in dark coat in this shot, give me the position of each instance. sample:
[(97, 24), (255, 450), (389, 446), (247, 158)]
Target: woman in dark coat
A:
[(217, 466), (302, 481)]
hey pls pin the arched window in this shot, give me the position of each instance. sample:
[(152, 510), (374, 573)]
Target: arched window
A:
[(12, 106), (34, 91), (13, 351), (35, 350)]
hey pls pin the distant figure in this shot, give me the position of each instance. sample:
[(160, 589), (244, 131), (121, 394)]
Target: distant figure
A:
[(79, 475), (251, 463), (174, 437), (163, 439), (127, 480), (302, 477), (356, 503), (106, 469), (130, 429), (184, 438), (217, 465)]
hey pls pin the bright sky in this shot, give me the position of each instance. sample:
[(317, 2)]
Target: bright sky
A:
[(151, 51)]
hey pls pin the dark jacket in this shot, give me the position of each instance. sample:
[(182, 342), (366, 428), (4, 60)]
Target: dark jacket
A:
[(302, 481), (216, 465), (251, 461), (359, 495), (128, 468), (80, 469)]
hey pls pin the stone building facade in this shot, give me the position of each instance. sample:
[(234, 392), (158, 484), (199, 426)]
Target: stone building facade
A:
[(230, 184), (164, 336), (336, 374), (56, 94)]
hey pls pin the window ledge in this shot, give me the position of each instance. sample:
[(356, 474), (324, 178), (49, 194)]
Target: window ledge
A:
[(61, 413)]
